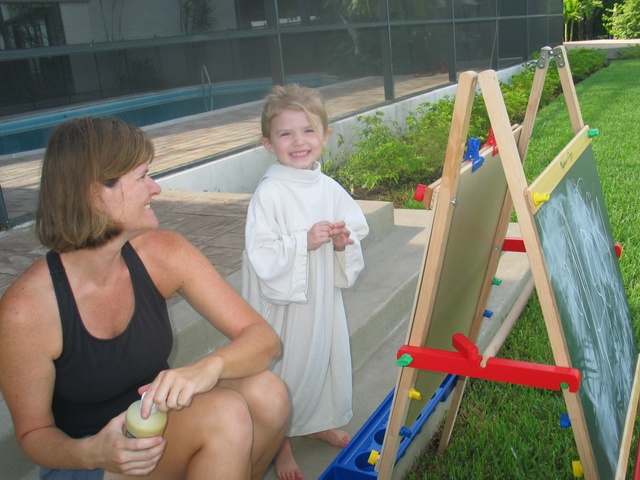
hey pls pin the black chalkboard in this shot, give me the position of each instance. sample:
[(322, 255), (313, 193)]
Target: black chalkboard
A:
[(582, 266)]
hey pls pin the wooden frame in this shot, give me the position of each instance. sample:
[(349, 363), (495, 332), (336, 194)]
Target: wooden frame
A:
[(442, 253), (513, 149)]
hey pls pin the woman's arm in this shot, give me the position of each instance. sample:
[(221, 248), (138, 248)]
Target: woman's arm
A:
[(175, 265)]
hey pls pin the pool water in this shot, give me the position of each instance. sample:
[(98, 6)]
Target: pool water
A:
[(30, 132)]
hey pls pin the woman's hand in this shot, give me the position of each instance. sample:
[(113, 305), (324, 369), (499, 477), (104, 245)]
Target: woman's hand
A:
[(119, 454), (174, 389)]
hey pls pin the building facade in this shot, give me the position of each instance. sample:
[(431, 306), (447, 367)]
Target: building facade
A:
[(56, 54)]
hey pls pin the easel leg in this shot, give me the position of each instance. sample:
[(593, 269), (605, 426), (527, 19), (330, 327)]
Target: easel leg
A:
[(456, 400)]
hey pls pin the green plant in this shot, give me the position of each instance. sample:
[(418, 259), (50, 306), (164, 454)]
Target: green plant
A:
[(390, 159), (623, 20), (586, 61), (382, 157), (629, 53), (583, 62), (577, 11)]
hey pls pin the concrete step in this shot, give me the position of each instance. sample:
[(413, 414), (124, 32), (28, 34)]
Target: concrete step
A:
[(382, 300), (378, 309), (194, 337)]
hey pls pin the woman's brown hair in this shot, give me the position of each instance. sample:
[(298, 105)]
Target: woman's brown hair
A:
[(80, 153)]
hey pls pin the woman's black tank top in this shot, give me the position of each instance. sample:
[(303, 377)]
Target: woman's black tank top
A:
[(97, 379)]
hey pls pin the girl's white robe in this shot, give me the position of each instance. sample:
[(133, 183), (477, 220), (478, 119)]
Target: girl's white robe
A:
[(299, 292)]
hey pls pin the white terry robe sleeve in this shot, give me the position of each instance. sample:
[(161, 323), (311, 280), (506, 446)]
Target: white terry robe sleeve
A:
[(277, 257), (350, 262)]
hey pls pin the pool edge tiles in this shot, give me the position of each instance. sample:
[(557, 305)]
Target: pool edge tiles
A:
[(30, 131)]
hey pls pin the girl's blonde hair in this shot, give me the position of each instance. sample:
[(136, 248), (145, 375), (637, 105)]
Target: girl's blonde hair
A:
[(80, 153), (295, 97)]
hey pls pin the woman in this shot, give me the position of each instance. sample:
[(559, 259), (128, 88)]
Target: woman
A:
[(84, 331)]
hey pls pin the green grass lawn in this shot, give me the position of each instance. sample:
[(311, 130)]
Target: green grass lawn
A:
[(512, 432)]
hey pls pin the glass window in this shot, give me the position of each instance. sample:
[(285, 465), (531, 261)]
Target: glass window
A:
[(510, 7), (512, 46), (31, 25), (538, 36), (474, 8), (422, 51), (537, 7), (555, 32), (475, 46), (555, 7), (107, 49), (420, 9)]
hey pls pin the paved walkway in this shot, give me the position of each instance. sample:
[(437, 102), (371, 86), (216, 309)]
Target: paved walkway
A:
[(199, 138), (215, 223)]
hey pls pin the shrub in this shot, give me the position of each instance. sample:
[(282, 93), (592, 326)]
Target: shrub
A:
[(585, 62), (388, 156), (382, 157), (629, 53)]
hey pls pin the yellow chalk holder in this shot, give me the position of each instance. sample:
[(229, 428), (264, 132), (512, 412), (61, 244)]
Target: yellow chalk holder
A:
[(577, 469), (373, 457), (138, 427), (540, 198), (415, 394)]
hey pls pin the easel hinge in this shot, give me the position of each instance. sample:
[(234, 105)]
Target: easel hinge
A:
[(543, 59), (558, 55)]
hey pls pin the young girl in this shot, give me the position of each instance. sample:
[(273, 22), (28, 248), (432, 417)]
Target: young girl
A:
[(303, 238)]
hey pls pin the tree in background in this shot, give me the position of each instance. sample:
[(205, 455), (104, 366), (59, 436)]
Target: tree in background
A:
[(196, 16), (623, 20), (577, 15)]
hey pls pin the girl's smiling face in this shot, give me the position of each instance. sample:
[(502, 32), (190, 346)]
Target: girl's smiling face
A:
[(293, 139)]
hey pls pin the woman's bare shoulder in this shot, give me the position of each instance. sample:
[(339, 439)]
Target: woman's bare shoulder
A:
[(29, 287), (157, 238), (29, 303), (169, 258), (161, 246)]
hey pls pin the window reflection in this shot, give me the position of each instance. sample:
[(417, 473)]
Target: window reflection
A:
[(56, 54)]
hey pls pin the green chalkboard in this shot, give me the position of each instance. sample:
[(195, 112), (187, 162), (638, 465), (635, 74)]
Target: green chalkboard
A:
[(582, 266), (478, 204)]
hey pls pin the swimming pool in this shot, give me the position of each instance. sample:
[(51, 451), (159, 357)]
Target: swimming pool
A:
[(30, 132)]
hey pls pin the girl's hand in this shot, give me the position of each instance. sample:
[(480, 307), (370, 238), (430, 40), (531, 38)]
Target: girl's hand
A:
[(319, 234), (340, 235)]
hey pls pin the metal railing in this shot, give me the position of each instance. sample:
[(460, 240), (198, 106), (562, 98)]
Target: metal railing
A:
[(207, 89)]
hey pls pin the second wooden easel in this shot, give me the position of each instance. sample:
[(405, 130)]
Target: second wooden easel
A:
[(434, 319)]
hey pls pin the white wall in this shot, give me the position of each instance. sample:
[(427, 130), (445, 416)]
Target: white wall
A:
[(240, 173)]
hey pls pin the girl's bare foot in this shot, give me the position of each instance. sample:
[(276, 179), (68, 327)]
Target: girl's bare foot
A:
[(286, 466), (337, 438)]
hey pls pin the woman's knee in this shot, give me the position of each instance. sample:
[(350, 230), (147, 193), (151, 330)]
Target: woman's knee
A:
[(221, 416), (267, 397), (214, 432)]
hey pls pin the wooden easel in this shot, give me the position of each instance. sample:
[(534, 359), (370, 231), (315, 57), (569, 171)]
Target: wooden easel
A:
[(513, 145)]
